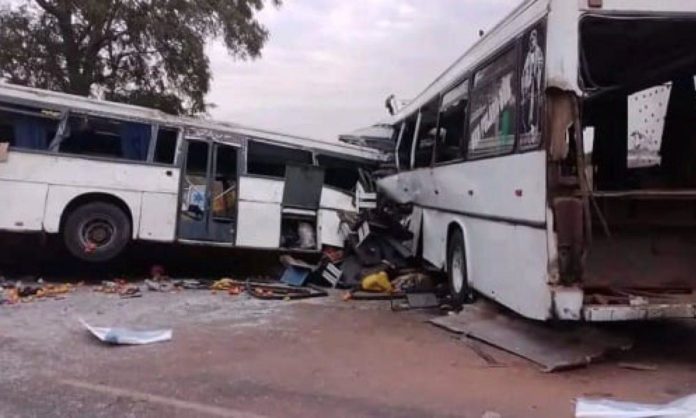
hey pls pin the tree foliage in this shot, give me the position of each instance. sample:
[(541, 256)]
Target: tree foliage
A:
[(147, 52)]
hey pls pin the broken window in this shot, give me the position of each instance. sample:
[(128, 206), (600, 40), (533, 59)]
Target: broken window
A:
[(104, 137), (339, 172), (634, 53), (404, 151), (641, 102), (453, 118), (27, 128), (493, 116), (270, 160), (427, 132), (165, 149)]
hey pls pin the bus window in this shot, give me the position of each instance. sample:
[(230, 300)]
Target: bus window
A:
[(404, 151), (339, 173), (28, 129), (107, 138), (532, 88), (453, 118), (270, 160), (494, 108), (165, 149), (427, 131)]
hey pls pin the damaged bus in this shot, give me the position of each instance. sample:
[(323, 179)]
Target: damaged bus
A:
[(552, 168), (103, 174)]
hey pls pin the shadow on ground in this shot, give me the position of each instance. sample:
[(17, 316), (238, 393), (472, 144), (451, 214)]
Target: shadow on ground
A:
[(37, 256)]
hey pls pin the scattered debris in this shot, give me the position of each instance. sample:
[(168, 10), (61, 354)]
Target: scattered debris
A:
[(377, 282), (15, 292), (123, 336), (606, 408), (641, 367), (552, 349), (159, 286), (422, 300), (229, 285), (120, 287), (296, 271), (282, 292)]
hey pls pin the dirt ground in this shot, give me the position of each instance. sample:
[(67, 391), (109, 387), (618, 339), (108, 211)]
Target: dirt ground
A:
[(233, 356)]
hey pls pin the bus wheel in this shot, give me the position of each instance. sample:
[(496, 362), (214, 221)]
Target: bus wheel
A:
[(97, 232), (457, 272)]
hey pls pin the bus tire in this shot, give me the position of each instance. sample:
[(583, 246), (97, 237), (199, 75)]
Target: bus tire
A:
[(97, 232), (457, 273)]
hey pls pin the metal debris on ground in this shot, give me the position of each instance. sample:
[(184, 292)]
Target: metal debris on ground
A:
[(119, 287), (551, 348), (296, 271), (607, 408), (268, 291), (123, 336), (641, 367)]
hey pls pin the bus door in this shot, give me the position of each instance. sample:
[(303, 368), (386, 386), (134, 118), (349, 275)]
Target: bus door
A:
[(209, 191)]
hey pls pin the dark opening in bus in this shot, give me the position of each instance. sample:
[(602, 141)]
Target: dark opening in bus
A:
[(639, 124)]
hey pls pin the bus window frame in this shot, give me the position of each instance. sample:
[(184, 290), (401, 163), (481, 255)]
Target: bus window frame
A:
[(513, 45), (466, 78)]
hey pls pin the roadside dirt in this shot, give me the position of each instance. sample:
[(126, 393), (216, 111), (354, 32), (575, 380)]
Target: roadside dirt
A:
[(235, 356)]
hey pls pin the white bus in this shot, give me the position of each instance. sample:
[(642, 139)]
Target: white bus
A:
[(103, 174), (552, 168)]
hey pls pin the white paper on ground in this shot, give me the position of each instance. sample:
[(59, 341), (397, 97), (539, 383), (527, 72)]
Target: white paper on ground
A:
[(128, 337), (605, 408)]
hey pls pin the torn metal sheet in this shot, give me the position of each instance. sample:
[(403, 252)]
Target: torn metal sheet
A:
[(605, 408), (553, 349), (123, 336)]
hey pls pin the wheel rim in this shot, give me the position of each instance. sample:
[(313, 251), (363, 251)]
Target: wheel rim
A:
[(97, 233), (458, 270)]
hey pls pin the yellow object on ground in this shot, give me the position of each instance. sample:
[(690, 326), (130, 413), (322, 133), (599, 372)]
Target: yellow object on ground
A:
[(378, 282)]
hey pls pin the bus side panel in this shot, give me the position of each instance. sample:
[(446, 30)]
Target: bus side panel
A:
[(435, 226), (95, 173), (508, 188), (258, 225), (22, 206), (59, 197), (158, 218), (505, 262), (329, 228)]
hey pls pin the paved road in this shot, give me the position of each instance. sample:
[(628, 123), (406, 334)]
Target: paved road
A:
[(238, 357)]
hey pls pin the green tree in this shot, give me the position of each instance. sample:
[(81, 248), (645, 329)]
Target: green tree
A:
[(146, 52)]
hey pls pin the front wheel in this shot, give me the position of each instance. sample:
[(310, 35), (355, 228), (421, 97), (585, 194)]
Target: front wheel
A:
[(97, 232), (457, 274)]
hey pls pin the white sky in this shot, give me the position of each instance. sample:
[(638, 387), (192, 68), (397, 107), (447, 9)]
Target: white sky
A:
[(330, 64)]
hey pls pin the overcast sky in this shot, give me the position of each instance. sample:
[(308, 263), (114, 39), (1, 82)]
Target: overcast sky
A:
[(329, 64)]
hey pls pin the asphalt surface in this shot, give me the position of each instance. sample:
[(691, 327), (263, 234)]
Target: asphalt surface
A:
[(233, 356)]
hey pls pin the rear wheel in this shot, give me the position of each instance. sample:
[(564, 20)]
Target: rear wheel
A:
[(97, 232), (457, 270)]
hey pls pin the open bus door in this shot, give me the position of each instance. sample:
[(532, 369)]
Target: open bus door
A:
[(209, 191)]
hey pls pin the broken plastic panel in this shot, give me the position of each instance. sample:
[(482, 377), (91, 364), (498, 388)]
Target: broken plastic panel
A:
[(123, 336)]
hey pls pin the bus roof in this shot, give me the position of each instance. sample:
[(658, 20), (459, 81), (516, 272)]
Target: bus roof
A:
[(524, 15), (51, 100), (562, 41)]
